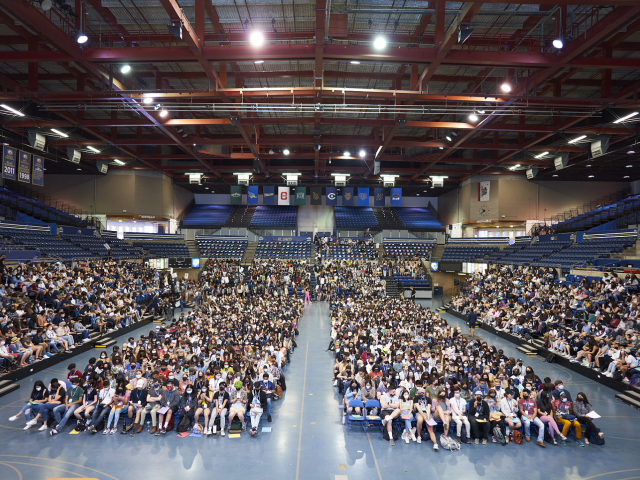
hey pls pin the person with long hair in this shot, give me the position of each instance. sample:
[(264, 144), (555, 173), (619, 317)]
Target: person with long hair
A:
[(39, 395), (581, 407), (547, 416)]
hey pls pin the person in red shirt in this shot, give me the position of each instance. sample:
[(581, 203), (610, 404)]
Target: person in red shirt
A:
[(73, 372)]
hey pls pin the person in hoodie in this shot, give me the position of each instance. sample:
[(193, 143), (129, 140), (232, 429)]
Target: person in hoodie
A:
[(189, 402), (171, 400)]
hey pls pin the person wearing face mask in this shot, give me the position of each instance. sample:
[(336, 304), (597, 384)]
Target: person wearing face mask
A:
[(352, 393), (509, 408), (204, 403), (168, 406), (495, 414), (529, 414), (238, 401), (441, 409), (39, 395), (458, 413), (257, 401), (89, 402), (406, 407), (581, 407), (154, 397), (72, 400), (479, 417), (137, 402), (119, 402), (189, 403), (389, 404), (221, 401)]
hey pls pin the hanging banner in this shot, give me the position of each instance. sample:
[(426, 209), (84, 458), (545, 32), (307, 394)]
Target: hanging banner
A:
[(301, 195), (332, 196), (396, 197), (24, 167), (283, 195), (483, 191), (316, 195), (252, 195), (9, 159), (347, 196), (363, 197), (268, 195), (236, 194), (37, 175), (378, 197)]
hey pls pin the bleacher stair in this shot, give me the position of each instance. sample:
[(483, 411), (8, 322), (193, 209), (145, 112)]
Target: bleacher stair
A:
[(249, 253)]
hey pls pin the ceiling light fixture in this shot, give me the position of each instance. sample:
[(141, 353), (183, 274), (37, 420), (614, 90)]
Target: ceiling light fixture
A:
[(94, 149), (588, 166), (118, 162), (626, 176), (354, 62), (12, 110), (590, 176), (59, 133), (555, 175), (286, 151), (473, 117), (163, 113), (147, 100), (379, 43), (541, 155), (125, 69), (631, 152), (558, 43), (629, 166), (448, 137), (346, 153), (81, 38), (258, 62), (577, 139), (626, 117), (505, 87), (256, 38), (362, 153)]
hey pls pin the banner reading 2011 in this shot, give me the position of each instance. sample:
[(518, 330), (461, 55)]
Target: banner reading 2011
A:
[(9, 155), (24, 167)]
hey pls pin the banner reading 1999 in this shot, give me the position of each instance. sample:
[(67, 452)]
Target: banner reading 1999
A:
[(24, 168), (9, 163)]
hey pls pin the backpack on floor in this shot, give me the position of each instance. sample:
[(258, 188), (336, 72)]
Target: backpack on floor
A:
[(236, 426), (497, 433), (464, 437), (385, 434), (448, 443), (184, 425), (282, 382), (594, 439), (547, 435), (551, 358), (517, 437), (635, 380)]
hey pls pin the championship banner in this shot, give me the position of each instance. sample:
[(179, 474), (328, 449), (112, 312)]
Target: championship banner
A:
[(347, 196), (332, 196), (236, 195), (24, 167), (484, 189), (301, 195), (316, 195), (378, 197), (9, 158), (37, 175), (268, 196), (283, 195), (252, 195), (363, 197), (396, 197)]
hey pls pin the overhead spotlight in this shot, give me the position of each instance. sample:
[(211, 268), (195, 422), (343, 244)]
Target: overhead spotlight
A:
[(441, 148), (256, 38), (473, 117), (185, 135), (346, 153), (363, 154), (505, 87), (157, 106), (464, 34), (558, 43), (147, 100), (626, 117), (379, 43), (591, 176), (454, 133), (577, 139), (12, 110), (271, 152), (631, 152), (94, 149), (354, 62), (176, 30), (81, 38), (125, 69), (540, 155), (286, 151), (258, 62), (58, 132), (481, 111), (45, 5), (163, 113), (448, 138)]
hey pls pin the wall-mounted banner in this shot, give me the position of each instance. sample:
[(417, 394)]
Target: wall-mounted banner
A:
[(363, 197), (252, 195), (268, 195), (378, 197), (347, 196), (316, 195), (236, 195), (37, 175), (283, 195), (24, 167), (301, 195), (332, 196), (396, 197), (484, 189), (9, 159)]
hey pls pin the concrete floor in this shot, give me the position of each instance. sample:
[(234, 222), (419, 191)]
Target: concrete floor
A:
[(308, 440)]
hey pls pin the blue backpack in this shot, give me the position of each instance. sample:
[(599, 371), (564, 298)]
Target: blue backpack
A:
[(594, 439)]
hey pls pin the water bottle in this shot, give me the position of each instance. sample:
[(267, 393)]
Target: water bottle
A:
[(148, 426)]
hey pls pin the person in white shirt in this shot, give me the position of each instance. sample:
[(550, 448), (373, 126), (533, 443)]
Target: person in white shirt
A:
[(509, 408), (458, 409), (105, 399)]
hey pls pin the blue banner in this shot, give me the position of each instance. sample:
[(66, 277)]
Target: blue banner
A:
[(268, 195), (396, 197), (9, 162), (347, 196), (363, 197), (37, 175), (285, 239), (252, 195), (378, 197), (332, 196)]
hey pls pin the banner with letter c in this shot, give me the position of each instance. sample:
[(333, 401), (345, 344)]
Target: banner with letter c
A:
[(283, 195), (332, 196)]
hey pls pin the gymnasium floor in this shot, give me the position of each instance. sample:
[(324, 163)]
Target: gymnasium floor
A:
[(308, 440)]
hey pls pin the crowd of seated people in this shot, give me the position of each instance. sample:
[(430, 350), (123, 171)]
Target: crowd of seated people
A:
[(219, 363), (413, 372), (348, 279), (330, 247), (595, 322), (51, 308)]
